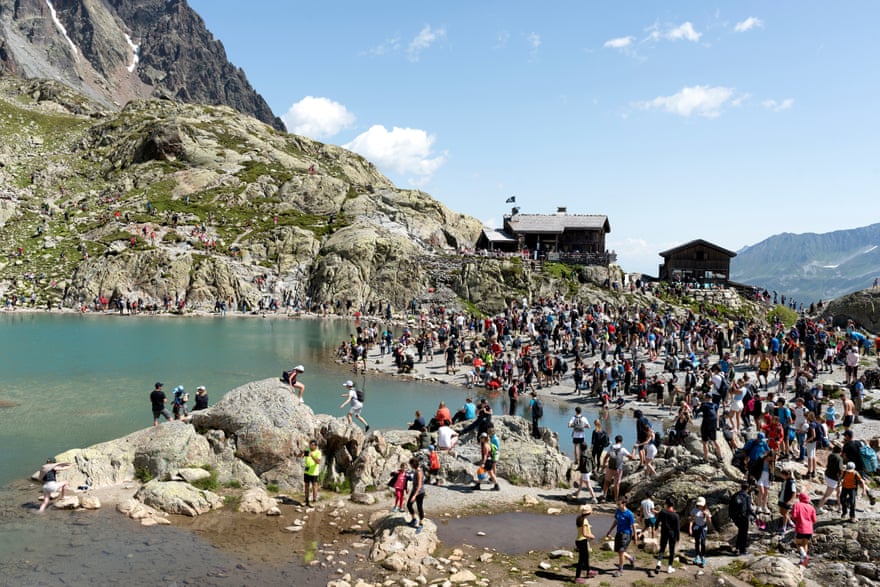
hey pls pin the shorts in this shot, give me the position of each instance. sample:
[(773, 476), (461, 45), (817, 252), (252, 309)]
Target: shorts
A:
[(621, 541), (784, 506), (708, 434), (736, 406), (578, 440), (162, 412), (811, 450), (51, 487), (799, 536), (764, 373), (650, 451), (310, 478), (764, 479), (831, 483), (355, 411), (651, 522), (847, 421)]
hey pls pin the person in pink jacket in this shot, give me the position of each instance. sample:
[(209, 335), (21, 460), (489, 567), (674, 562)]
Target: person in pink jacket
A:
[(804, 516)]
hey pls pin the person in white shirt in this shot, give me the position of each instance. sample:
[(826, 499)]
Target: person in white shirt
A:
[(578, 425)]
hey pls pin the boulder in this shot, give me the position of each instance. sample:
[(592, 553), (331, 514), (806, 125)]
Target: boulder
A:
[(191, 474), (256, 501), (90, 502), (174, 497), (397, 546), (69, 502), (772, 570)]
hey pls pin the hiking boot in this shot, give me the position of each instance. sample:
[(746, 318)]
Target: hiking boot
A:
[(496, 488), (366, 428), (670, 569)]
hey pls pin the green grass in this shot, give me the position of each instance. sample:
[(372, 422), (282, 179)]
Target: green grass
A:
[(143, 474), (272, 487), (786, 315), (232, 501), (208, 483), (232, 484)]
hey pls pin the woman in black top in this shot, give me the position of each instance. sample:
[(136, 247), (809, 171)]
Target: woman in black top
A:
[(670, 525)]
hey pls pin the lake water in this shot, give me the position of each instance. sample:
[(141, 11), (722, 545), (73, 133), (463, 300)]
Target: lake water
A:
[(70, 381)]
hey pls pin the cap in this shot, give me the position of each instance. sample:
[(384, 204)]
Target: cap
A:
[(348, 383), (178, 389), (586, 509), (701, 501), (159, 384), (300, 368), (761, 436), (850, 466), (201, 388), (431, 447), (484, 435)]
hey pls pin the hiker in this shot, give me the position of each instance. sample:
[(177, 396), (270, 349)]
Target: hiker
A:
[(625, 524), (49, 477), (398, 483), (833, 473), (699, 525), (614, 456), (787, 494), (804, 517), (291, 379), (578, 425), (178, 404), (584, 536), (157, 400), (849, 482), (585, 468), (740, 514), (201, 402), (537, 410), (670, 531), (356, 399), (311, 470), (417, 495), (488, 456)]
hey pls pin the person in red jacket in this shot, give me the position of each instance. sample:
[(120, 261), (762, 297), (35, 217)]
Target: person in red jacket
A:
[(804, 516)]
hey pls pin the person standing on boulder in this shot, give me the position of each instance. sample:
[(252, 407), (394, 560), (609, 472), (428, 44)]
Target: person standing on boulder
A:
[(417, 495), (578, 425), (356, 399), (537, 410), (158, 399), (804, 516), (312, 469)]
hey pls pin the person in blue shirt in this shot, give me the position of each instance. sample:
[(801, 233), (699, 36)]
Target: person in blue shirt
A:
[(625, 524)]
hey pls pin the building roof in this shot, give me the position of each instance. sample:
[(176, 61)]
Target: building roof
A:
[(694, 243), (496, 235), (557, 223)]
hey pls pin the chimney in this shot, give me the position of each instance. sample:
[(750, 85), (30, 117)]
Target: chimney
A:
[(561, 210)]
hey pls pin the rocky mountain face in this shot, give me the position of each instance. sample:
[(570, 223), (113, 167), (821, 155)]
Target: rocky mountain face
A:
[(114, 51), (811, 267), (203, 203), (863, 307)]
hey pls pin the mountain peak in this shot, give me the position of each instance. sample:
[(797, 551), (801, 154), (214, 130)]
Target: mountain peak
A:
[(115, 51)]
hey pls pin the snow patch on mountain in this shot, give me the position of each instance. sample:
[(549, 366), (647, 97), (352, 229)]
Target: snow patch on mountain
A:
[(62, 30)]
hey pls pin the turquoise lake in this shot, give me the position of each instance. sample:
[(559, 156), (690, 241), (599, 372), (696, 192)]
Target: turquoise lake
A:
[(70, 381)]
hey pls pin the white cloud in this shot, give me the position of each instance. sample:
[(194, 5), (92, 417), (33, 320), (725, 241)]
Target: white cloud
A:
[(406, 151), (684, 31), (748, 24), (701, 100), (317, 117), (534, 40), (778, 106), (619, 43), (426, 37)]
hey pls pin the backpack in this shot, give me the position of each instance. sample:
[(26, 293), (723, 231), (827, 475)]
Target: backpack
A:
[(579, 423), (724, 387), (821, 436), (360, 394), (739, 506), (586, 462), (869, 458), (738, 461), (614, 459), (434, 461), (285, 376), (658, 439), (538, 409), (602, 441)]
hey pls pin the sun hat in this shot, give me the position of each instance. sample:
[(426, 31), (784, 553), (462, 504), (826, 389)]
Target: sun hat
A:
[(300, 368), (348, 383), (586, 509), (701, 501)]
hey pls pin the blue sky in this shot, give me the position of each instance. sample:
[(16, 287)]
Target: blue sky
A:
[(728, 121)]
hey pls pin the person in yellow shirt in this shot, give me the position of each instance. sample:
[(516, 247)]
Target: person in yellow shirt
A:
[(312, 468), (584, 536)]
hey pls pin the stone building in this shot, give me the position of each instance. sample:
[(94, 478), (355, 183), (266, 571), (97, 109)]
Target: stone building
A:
[(697, 261)]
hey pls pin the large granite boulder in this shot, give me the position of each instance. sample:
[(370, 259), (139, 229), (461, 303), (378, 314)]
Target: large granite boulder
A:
[(772, 570), (397, 546), (157, 451), (848, 542), (859, 306), (175, 497)]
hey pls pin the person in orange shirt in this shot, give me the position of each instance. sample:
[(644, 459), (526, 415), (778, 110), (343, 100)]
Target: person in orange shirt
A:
[(443, 417)]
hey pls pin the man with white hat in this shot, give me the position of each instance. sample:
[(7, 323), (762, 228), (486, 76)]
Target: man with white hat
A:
[(356, 399)]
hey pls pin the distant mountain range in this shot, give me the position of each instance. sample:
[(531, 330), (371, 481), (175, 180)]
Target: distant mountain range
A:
[(809, 267)]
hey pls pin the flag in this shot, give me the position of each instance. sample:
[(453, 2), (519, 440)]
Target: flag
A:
[(510, 200)]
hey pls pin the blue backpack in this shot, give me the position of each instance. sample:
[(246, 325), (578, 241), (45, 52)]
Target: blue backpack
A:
[(869, 458)]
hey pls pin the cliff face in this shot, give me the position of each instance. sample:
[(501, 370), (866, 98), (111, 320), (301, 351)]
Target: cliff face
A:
[(115, 51)]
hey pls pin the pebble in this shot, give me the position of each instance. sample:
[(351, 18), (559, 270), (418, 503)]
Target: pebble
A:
[(481, 533)]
